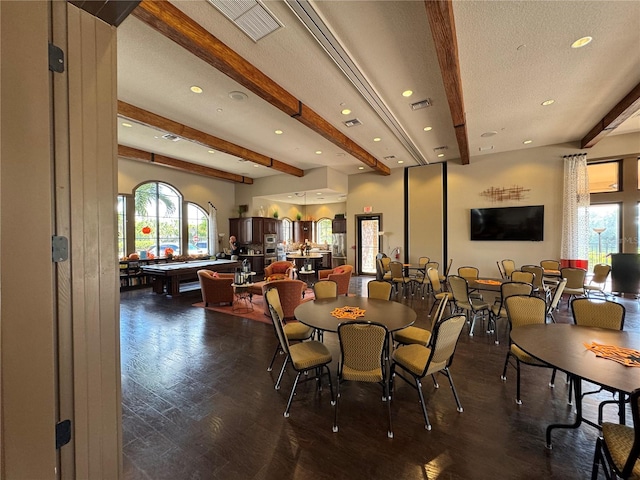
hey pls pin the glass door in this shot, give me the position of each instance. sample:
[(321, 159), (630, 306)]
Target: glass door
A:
[(369, 227)]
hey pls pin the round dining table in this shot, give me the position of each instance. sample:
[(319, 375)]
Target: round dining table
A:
[(317, 314)]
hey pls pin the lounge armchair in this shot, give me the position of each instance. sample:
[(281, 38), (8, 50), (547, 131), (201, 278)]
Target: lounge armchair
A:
[(279, 270), (290, 292), (216, 287), (341, 275)]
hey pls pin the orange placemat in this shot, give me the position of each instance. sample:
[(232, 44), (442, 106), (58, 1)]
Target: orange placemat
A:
[(489, 282), (626, 356), (349, 313)]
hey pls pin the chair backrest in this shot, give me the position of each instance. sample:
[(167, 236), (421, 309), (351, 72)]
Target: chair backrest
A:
[(503, 274), (446, 272), (468, 272), (434, 279), (525, 310), (325, 289), (445, 337), (272, 299), (509, 266), (379, 289), (437, 316), (428, 265), (575, 276), (423, 260), (379, 269), (385, 263), (557, 294), (538, 271), (362, 350), (524, 277), (550, 264), (600, 273), (598, 313), (397, 270), (509, 289), (459, 288)]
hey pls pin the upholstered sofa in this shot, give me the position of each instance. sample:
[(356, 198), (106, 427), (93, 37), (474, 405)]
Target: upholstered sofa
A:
[(216, 287), (341, 275), (279, 270), (290, 292)]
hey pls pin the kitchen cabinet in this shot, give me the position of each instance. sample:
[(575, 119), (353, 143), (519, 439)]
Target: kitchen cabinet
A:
[(339, 225), (270, 225), (256, 261), (247, 230), (303, 230)]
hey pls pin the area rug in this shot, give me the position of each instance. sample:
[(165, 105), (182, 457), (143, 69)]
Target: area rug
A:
[(256, 314)]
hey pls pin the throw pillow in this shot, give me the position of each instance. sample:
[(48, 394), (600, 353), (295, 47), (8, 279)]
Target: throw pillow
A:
[(215, 275), (338, 270), (276, 276)]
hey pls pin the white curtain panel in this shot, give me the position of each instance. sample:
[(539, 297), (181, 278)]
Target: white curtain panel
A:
[(213, 230), (575, 222)]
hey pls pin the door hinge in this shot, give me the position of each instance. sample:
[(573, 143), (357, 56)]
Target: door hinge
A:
[(56, 58), (59, 248), (63, 433)]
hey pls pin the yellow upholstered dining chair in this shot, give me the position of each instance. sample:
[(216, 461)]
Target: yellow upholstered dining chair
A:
[(618, 448), (523, 277), (386, 270), (363, 354), (470, 273), (508, 266), (302, 356), (575, 282), (540, 288), (523, 310), (325, 289), (471, 306), (445, 274), (437, 290), (507, 289), (398, 279), (379, 289), (410, 335), (598, 281), (420, 361), (550, 264)]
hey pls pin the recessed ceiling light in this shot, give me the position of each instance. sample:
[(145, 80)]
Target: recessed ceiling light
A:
[(238, 96), (346, 111), (527, 142), (125, 124), (489, 134), (196, 89), (256, 165), (318, 152), (548, 102), (427, 129), (289, 196), (440, 155), (360, 168), (278, 132), (581, 42), (400, 161), (318, 193), (377, 139), (407, 93), (211, 151), (219, 110)]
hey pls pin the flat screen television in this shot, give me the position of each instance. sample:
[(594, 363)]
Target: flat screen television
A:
[(508, 223)]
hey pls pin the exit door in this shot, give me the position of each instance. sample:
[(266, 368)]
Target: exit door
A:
[(368, 231)]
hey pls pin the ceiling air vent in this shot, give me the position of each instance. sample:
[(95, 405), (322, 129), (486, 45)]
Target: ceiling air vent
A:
[(250, 16), (440, 149), (421, 104), (354, 122), (390, 157), (170, 136)]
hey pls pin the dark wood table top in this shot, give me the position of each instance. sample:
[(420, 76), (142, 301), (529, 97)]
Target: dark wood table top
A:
[(562, 345), (317, 314)]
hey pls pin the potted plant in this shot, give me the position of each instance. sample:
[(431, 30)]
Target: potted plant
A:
[(275, 214), (298, 216)]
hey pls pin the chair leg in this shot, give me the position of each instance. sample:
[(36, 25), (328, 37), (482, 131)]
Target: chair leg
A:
[(387, 394), (518, 400), (597, 458), (504, 370), (273, 359), (427, 425), (453, 388), (293, 392), (284, 367)]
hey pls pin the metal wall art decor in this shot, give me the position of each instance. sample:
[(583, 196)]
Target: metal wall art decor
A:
[(502, 194)]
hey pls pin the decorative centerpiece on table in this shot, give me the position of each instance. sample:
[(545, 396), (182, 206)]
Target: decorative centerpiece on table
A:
[(169, 253)]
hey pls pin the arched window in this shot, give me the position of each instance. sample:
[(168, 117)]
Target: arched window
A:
[(198, 230), (122, 226), (324, 231), (158, 219), (287, 230)]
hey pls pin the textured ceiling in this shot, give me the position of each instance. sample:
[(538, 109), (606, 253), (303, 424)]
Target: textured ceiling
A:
[(513, 56)]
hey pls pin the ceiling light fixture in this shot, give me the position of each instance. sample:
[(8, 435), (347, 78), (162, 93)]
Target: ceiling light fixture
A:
[(489, 134), (360, 168), (440, 155), (377, 139), (407, 93), (255, 165), (400, 162), (427, 129), (318, 152), (346, 111), (318, 193), (278, 132), (237, 96), (211, 151), (527, 142), (125, 124), (581, 42), (196, 89), (546, 103)]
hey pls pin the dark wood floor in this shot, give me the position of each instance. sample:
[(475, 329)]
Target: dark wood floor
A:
[(198, 403)]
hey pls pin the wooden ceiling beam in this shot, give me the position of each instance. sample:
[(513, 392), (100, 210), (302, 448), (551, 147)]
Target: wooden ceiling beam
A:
[(443, 30), (148, 157), (183, 30), (629, 105), (150, 119)]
